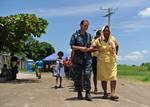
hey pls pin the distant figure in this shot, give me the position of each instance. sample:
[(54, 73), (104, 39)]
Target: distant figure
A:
[(67, 64), (94, 62), (5, 74), (33, 66), (14, 66), (39, 67), (59, 69)]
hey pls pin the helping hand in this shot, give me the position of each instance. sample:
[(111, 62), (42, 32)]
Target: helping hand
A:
[(83, 49)]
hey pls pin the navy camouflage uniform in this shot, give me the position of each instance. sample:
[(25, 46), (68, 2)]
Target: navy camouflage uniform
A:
[(82, 62)]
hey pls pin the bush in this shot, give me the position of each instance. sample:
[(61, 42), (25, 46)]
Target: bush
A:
[(148, 69)]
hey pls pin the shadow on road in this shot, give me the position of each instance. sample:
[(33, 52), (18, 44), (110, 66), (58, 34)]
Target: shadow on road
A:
[(93, 97), (101, 97), (72, 99), (21, 81), (56, 87)]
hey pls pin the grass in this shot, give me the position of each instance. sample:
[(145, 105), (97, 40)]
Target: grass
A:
[(22, 70), (137, 73)]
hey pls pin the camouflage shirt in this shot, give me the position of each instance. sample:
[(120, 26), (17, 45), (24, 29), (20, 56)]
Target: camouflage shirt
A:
[(81, 58)]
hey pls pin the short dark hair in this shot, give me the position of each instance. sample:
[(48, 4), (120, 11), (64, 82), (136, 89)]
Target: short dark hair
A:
[(60, 53), (98, 32), (82, 22), (12, 54), (5, 65)]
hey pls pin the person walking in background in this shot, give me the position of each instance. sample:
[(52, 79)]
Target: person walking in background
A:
[(14, 66), (59, 69), (106, 61), (72, 73), (82, 60), (33, 66), (67, 67), (39, 67), (94, 62)]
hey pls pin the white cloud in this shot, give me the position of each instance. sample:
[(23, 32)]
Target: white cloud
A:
[(145, 12), (69, 50), (122, 3), (128, 3), (134, 56), (145, 52), (133, 25), (83, 9), (66, 11)]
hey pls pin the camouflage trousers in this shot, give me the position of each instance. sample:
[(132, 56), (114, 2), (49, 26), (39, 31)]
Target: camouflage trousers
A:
[(82, 77)]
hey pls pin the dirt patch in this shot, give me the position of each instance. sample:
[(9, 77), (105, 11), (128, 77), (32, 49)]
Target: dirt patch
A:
[(28, 91)]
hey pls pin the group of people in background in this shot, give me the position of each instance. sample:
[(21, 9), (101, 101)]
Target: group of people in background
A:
[(10, 73), (102, 62)]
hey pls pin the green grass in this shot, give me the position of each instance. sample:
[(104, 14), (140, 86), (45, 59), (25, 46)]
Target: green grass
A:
[(22, 70), (137, 73)]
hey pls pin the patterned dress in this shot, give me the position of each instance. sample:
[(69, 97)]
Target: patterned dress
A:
[(59, 68)]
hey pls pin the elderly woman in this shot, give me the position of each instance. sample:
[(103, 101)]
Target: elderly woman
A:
[(106, 61)]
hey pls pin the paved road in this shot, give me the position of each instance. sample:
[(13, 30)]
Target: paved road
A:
[(28, 91)]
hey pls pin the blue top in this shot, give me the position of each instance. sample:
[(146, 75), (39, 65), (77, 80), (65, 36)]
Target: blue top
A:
[(39, 64)]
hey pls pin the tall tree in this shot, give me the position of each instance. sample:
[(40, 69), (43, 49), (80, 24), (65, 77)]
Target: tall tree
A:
[(15, 30), (33, 49)]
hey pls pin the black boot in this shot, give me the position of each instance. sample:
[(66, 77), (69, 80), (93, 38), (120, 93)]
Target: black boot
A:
[(39, 77), (80, 97), (88, 96)]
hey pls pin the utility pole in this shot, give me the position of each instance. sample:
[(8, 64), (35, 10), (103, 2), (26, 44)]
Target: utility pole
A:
[(110, 11)]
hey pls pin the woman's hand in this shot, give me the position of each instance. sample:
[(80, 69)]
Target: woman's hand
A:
[(93, 49), (83, 49)]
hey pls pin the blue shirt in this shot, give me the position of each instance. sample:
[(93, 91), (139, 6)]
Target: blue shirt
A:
[(39, 64)]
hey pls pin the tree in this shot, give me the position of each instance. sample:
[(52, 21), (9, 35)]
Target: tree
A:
[(44, 50), (148, 68), (145, 64), (33, 49), (15, 30)]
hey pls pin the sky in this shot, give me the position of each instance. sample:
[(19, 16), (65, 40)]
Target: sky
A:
[(129, 23)]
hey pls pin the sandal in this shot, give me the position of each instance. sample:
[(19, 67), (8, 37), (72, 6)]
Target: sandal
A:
[(95, 91), (105, 96), (55, 86), (114, 97), (60, 86)]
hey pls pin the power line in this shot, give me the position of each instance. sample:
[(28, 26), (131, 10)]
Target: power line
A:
[(110, 11)]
